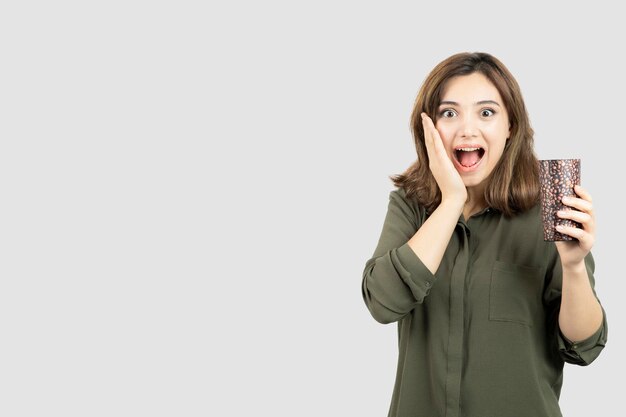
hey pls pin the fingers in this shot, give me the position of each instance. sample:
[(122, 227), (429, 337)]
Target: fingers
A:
[(584, 209), (585, 239), (582, 193), (427, 133), (434, 143), (583, 215), (577, 216), (584, 203), (585, 219), (429, 126)]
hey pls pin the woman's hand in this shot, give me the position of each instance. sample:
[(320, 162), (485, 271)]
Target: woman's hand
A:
[(447, 177), (573, 252)]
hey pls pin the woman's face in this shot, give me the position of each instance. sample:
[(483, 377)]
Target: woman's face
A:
[(474, 126)]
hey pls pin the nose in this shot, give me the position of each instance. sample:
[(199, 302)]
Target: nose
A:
[(469, 126)]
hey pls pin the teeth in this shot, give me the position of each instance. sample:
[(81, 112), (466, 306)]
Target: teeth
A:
[(467, 149)]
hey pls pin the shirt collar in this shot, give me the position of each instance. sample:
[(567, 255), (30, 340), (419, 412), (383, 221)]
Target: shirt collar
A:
[(487, 209)]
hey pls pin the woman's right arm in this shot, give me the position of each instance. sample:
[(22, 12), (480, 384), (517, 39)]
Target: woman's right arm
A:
[(402, 270), (431, 240)]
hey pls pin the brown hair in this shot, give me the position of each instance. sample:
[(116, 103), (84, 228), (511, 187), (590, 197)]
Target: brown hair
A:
[(513, 185)]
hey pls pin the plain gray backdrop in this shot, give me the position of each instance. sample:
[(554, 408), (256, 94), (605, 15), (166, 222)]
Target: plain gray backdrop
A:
[(189, 193)]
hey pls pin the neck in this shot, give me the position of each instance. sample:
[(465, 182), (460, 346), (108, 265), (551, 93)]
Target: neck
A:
[(475, 201)]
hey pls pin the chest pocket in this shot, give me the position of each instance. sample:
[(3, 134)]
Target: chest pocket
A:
[(515, 293)]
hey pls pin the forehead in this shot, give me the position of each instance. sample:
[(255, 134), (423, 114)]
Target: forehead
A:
[(470, 89)]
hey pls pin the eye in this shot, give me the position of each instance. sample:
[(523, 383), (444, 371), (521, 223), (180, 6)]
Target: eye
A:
[(487, 112), (447, 113)]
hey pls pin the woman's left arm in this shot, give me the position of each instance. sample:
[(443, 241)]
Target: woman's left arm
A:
[(580, 315)]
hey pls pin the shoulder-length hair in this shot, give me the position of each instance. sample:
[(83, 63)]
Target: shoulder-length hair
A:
[(513, 186)]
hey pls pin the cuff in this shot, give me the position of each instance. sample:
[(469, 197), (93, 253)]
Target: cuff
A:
[(585, 351), (419, 277)]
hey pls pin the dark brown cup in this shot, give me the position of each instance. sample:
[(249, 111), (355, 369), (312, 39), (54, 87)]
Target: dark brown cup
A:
[(557, 177)]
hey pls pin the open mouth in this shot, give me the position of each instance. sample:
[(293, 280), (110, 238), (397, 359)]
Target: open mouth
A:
[(468, 157)]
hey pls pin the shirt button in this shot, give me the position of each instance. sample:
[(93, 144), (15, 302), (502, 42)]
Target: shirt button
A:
[(574, 346), (427, 284)]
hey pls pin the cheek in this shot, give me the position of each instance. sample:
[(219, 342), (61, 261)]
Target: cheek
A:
[(497, 150), (499, 131), (497, 140)]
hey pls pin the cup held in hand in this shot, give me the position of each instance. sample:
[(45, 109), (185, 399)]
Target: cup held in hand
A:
[(557, 178)]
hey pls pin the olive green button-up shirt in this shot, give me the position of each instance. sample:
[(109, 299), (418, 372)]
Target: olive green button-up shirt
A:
[(480, 337)]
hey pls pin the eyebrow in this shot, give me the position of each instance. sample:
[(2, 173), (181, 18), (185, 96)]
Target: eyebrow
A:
[(454, 103)]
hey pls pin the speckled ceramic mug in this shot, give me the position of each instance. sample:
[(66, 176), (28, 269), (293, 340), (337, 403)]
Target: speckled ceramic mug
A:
[(557, 177)]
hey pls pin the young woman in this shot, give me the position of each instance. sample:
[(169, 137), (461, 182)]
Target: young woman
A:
[(487, 311)]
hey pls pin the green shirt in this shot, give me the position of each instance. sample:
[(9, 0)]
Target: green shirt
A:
[(480, 337)]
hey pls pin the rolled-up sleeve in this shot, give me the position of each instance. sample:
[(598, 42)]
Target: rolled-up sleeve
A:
[(581, 352), (395, 280), (585, 351)]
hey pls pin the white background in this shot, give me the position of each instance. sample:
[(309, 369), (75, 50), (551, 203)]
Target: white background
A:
[(189, 193)]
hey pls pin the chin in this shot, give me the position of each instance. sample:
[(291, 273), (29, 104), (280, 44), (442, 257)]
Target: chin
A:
[(473, 182)]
